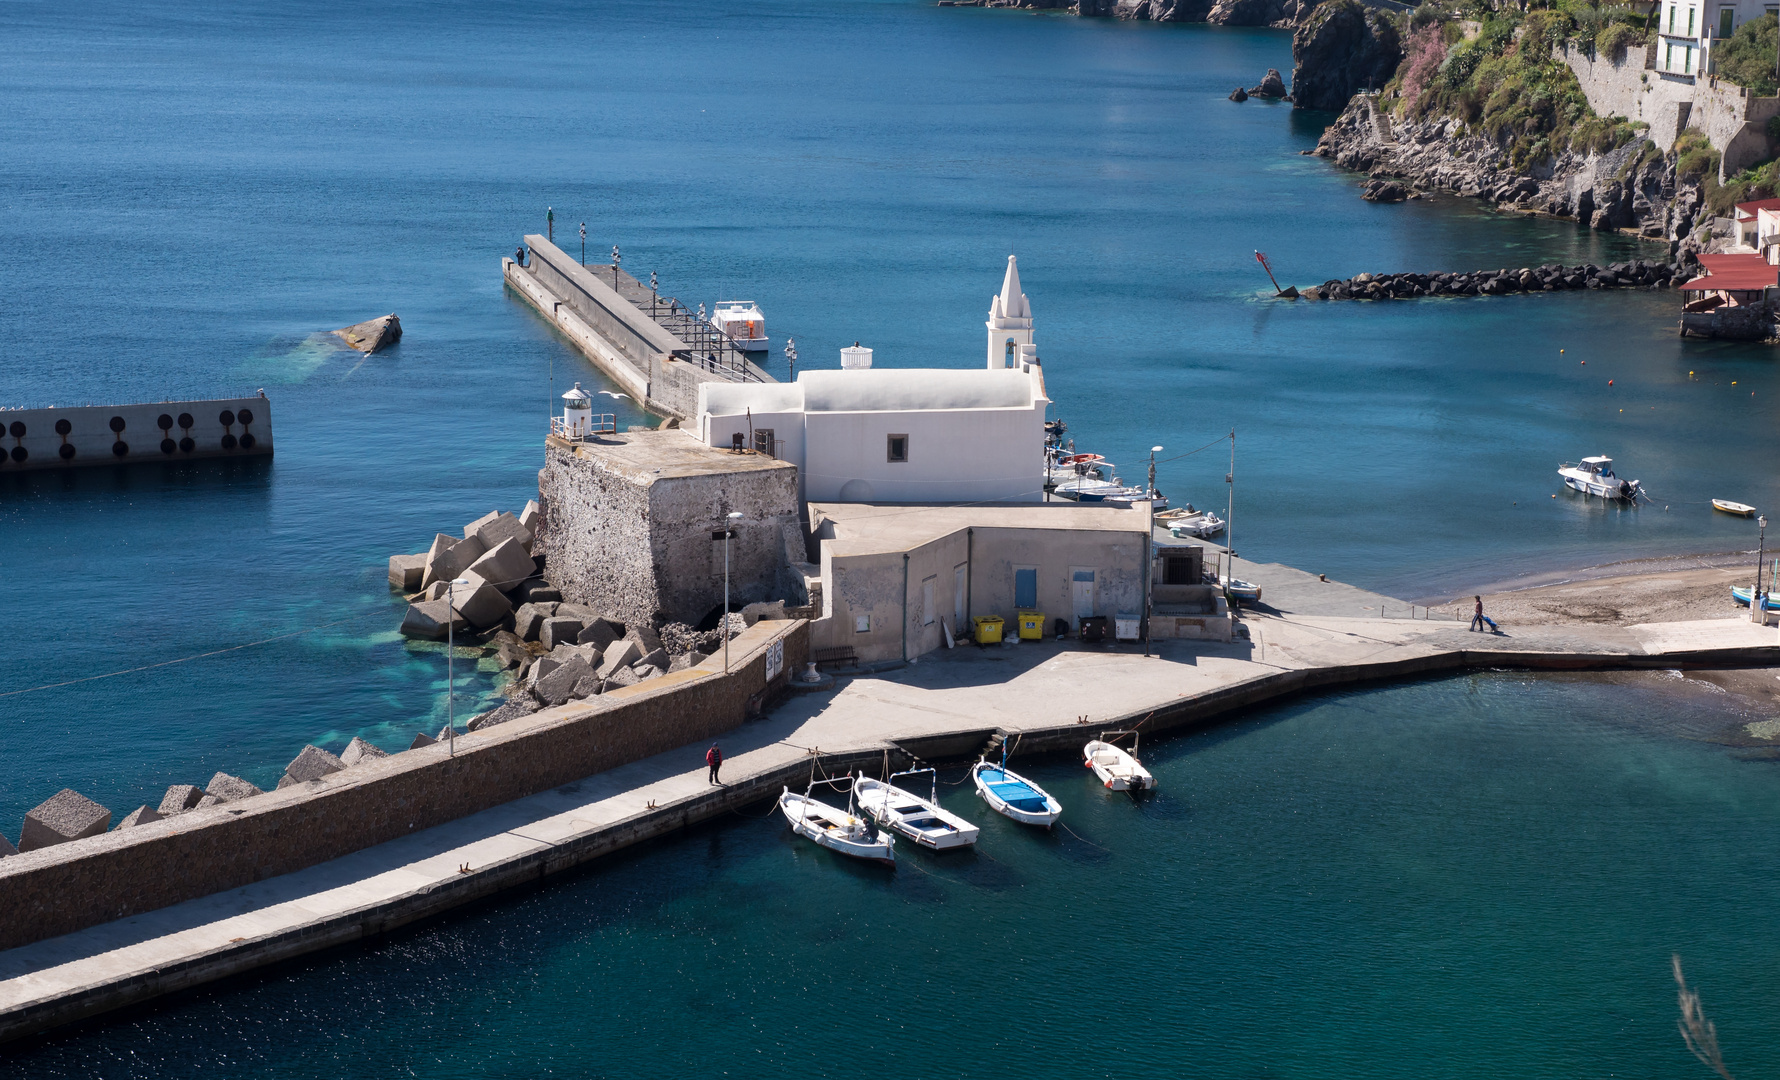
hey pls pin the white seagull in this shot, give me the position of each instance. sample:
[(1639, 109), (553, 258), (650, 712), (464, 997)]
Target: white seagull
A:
[(611, 394)]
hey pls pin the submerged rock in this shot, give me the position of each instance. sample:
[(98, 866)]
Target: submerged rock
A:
[(373, 336)]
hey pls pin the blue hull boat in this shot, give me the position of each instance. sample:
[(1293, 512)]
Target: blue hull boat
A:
[(1742, 596)]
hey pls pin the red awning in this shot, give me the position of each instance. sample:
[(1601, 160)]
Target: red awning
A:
[(1746, 210), (1735, 273)]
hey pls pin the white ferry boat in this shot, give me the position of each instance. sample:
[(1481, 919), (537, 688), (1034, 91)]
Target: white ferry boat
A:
[(1595, 476), (742, 322)]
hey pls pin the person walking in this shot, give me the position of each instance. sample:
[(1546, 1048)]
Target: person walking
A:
[(714, 758), (1477, 616)]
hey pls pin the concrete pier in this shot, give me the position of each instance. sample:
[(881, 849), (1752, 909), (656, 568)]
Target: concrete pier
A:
[(945, 707), (650, 345), (71, 438)]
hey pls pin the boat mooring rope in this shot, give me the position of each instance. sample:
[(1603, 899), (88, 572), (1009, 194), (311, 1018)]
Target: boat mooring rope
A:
[(1082, 838)]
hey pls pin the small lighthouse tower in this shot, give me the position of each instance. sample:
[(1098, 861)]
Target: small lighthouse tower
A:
[(577, 414), (1010, 321)]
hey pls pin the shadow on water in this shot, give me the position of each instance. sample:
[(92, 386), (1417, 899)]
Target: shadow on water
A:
[(239, 477)]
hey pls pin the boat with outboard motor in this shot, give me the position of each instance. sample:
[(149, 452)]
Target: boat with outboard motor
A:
[(922, 820), (1188, 522), (837, 830), (1595, 476), (1085, 479), (1012, 795), (1117, 768), (741, 322)]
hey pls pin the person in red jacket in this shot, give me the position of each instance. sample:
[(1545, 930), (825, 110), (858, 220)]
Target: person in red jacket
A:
[(713, 758)]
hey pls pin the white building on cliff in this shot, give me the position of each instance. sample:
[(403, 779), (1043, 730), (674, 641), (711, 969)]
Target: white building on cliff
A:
[(903, 435)]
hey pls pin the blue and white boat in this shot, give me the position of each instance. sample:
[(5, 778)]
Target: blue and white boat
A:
[(1742, 595), (1012, 795)]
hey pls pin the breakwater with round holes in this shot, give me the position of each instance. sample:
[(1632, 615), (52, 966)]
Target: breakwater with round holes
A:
[(87, 435)]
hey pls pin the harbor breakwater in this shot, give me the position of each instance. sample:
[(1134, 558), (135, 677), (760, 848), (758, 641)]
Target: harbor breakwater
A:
[(1550, 277), (65, 438)]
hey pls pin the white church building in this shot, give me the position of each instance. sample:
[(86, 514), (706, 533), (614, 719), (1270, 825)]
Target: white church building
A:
[(902, 435)]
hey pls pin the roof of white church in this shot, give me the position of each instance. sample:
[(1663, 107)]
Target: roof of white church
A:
[(878, 390)]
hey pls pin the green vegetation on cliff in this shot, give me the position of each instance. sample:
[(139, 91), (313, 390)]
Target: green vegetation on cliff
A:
[(1747, 56), (1507, 83)]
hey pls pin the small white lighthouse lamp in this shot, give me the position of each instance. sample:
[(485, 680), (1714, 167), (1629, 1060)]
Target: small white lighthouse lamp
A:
[(577, 414)]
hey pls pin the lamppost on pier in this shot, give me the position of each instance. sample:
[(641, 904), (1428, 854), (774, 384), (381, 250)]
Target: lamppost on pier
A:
[(450, 677), (791, 356), (723, 623), (614, 266), (1761, 545), (550, 223), (653, 286), (584, 243), (1149, 563), (1154, 450)]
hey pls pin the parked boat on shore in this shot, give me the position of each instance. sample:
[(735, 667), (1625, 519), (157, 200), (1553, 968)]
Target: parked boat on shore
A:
[(1595, 476), (835, 829), (1012, 795), (1117, 768), (922, 820)]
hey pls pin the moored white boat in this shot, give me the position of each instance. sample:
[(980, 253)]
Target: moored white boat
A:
[(922, 820), (1595, 476), (1200, 525), (1012, 795), (1737, 508), (836, 829), (742, 322), (1116, 767)]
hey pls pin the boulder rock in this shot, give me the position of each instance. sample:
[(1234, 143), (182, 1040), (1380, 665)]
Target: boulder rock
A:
[(645, 672), (407, 572), (657, 658), (1239, 94), (1384, 191), (646, 637), (313, 764), (512, 709), (580, 612), (66, 815), (505, 565), (421, 739), (1272, 86), (180, 798), (208, 801), (559, 630), (229, 788), (374, 335), (433, 620), (543, 666), (528, 619), (621, 678), (358, 751), (142, 815), (620, 656), (494, 528), (556, 687), (587, 686), (483, 607), (598, 634)]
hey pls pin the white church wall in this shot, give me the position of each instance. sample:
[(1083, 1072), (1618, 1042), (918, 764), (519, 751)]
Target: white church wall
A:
[(973, 455)]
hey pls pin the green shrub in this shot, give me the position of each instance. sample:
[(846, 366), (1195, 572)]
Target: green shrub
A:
[(1747, 56), (1613, 38), (1694, 156)]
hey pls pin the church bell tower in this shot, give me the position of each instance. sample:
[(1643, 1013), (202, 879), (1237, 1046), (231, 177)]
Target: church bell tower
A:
[(1010, 321)]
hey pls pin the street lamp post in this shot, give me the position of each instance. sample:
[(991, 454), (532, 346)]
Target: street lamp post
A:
[(1154, 450), (791, 357), (450, 651), (1761, 552), (614, 266), (728, 531), (1149, 564), (550, 223), (653, 286), (584, 243)]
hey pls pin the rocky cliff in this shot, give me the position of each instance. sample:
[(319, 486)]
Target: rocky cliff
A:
[(1282, 13), (1341, 48), (1633, 187)]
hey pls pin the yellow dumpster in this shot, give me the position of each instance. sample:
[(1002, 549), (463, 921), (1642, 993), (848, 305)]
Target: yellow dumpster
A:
[(988, 629), (1032, 625)]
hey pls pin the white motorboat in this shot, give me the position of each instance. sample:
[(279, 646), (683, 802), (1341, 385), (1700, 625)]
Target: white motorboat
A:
[(1198, 525), (1012, 795), (922, 820), (1117, 768), (836, 829), (1595, 476), (1084, 479), (742, 322)]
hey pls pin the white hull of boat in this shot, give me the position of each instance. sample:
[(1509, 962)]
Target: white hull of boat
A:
[(1116, 768), (1012, 795), (835, 829), (1199, 526), (1242, 590), (921, 820)]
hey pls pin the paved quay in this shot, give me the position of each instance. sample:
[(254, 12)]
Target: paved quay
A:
[(945, 705)]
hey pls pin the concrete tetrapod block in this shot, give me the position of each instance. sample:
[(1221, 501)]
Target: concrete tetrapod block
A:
[(655, 659), (645, 637), (687, 660), (530, 517), (142, 815), (509, 650), (579, 612), (587, 686), (494, 528), (483, 607), (313, 764), (559, 630), (66, 815), (407, 572), (556, 687), (180, 798), (506, 565), (432, 620), (6, 848), (229, 788), (598, 633), (358, 751), (421, 739), (449, 562), (645, 672), (621, 678), (528, 619), (544, 666), (208, 801), (620, 656)]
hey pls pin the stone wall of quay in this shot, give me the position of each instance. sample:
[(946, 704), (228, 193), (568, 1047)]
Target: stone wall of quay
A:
[(60, 889), (164, 431)]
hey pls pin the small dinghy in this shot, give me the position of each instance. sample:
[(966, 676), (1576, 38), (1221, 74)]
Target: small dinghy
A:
[(1743, 595), (921, 820), (1118, 769), (1012, 795), (835, 829), (1243, 590), (1737, 508)]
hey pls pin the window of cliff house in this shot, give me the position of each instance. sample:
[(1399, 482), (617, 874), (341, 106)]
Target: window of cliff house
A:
[(1669, 55), (1725, 16), (1672, 8), (1687, 68), (1690, 12)]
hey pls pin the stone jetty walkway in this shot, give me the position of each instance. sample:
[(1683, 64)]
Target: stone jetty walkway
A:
[(946, 705)]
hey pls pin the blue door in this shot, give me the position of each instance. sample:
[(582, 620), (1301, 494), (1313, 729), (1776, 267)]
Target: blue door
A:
[(1026, 589)]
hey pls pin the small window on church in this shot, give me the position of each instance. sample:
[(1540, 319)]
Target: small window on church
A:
[(897, 448)]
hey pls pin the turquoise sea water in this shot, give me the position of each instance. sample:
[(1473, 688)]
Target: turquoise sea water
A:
[(190, 193), (1472, 877)]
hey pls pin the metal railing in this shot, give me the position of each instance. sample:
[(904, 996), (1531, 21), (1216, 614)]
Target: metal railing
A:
[(599, 424)]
